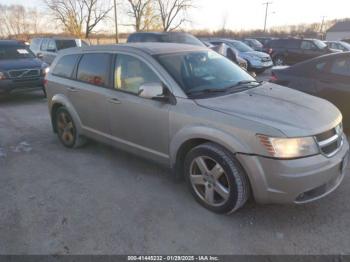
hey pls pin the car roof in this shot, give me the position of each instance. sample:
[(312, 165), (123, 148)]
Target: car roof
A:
[(55, 38), (149, 48), (159, 33), (10, 42), (322, 58)]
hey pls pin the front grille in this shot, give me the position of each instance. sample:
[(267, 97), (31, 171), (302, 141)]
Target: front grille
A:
[(24, 73), (330, 141)]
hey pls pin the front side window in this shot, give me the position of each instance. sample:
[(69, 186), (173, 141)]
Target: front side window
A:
[(131, 73), (44, 43), (15, 52), (203, 70), (341, 66), (65, 66), (94, 68), (307, 45), (51, 46)]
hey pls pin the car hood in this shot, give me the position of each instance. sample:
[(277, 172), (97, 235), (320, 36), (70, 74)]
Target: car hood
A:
[(255, 53), (25, 63), (294, 113)]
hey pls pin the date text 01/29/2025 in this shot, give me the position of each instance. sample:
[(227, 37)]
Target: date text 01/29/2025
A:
[(173, 258)]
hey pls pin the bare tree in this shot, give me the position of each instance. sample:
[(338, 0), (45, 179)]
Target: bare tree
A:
[(96, 11), (173, 13), (138, 11), (16, 20), (79, 16)]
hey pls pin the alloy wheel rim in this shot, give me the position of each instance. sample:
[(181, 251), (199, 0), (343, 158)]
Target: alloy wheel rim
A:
[(279, 61), (65, 128), (209, 181)]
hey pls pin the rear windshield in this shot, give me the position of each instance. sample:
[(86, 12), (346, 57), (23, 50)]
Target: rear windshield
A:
[(63, 44), (15, 52)]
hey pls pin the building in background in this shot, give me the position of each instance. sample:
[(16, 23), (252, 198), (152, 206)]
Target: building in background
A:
[(339, 31)]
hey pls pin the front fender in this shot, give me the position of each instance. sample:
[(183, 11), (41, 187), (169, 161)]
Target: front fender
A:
[(222, 138), (60, 99)]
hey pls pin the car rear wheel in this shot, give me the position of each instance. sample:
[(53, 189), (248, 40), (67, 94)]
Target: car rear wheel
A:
[(66, 129), (279, 60), (216, 179)]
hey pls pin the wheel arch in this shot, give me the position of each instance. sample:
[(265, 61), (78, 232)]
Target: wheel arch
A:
[(187, 139), (61, 101)]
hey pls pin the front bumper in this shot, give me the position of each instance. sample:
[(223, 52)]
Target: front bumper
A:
[(295, 181), (9, 85), (260, 65)]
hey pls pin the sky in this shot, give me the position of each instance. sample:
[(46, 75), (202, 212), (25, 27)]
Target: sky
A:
[(247, 14)]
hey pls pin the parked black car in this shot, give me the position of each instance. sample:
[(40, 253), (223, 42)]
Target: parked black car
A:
[(19, 68), (326, 76), (47, 48), (291, 51)]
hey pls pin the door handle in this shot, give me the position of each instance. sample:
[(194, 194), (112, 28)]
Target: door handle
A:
[(72, 89), (114, 101)]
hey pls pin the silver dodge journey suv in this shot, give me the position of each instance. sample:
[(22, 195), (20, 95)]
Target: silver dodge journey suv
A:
[(195, 111)]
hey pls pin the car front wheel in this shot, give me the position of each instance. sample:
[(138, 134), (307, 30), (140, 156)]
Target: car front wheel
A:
[(216, 179)]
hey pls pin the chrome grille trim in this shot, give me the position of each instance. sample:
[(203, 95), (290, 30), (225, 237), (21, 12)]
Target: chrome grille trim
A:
[(335, 140), (24, 73)]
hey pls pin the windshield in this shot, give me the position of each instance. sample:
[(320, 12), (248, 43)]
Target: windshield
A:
[(203, 70), (64, 44), (15, 52), (320, 44), (241, 47)]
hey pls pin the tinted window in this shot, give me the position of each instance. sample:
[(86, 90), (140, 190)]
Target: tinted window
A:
[(93, 69), (15, 52), (130, 73), (63, 44), (65, 66), (292, 43), (341, 66)]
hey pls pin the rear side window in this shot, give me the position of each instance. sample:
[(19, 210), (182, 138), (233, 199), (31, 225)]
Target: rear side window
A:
[(94, 68), (64, 44), (293, 43), (65, 66), (307, 45)]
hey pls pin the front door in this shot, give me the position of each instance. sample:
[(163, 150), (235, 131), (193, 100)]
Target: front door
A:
[(334, 85), (136, 123)]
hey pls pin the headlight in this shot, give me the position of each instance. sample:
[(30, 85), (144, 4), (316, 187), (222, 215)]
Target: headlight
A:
[(45, 71), (289, 147)]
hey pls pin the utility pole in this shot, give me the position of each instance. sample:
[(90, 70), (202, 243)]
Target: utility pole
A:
[(116, 22), (266, 13), (322, 24)]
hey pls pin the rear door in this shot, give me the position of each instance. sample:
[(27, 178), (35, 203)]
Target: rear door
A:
[(89, 93)]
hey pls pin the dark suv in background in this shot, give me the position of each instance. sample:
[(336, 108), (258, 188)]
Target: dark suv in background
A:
[(19, 68), (290, 51), (47, 48)]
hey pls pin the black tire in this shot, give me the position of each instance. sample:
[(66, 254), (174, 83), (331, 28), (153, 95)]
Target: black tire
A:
[(279, 60), (66, 129), (235, 178)]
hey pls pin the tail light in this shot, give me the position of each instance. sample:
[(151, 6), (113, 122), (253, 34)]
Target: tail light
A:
[(270, 50), (273, 77), (2, 76)]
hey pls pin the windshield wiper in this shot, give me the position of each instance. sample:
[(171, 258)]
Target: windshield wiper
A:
[(205, 91)]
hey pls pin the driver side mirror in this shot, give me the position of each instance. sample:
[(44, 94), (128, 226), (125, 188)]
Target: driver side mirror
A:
[(153, 91), (40, 55)]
